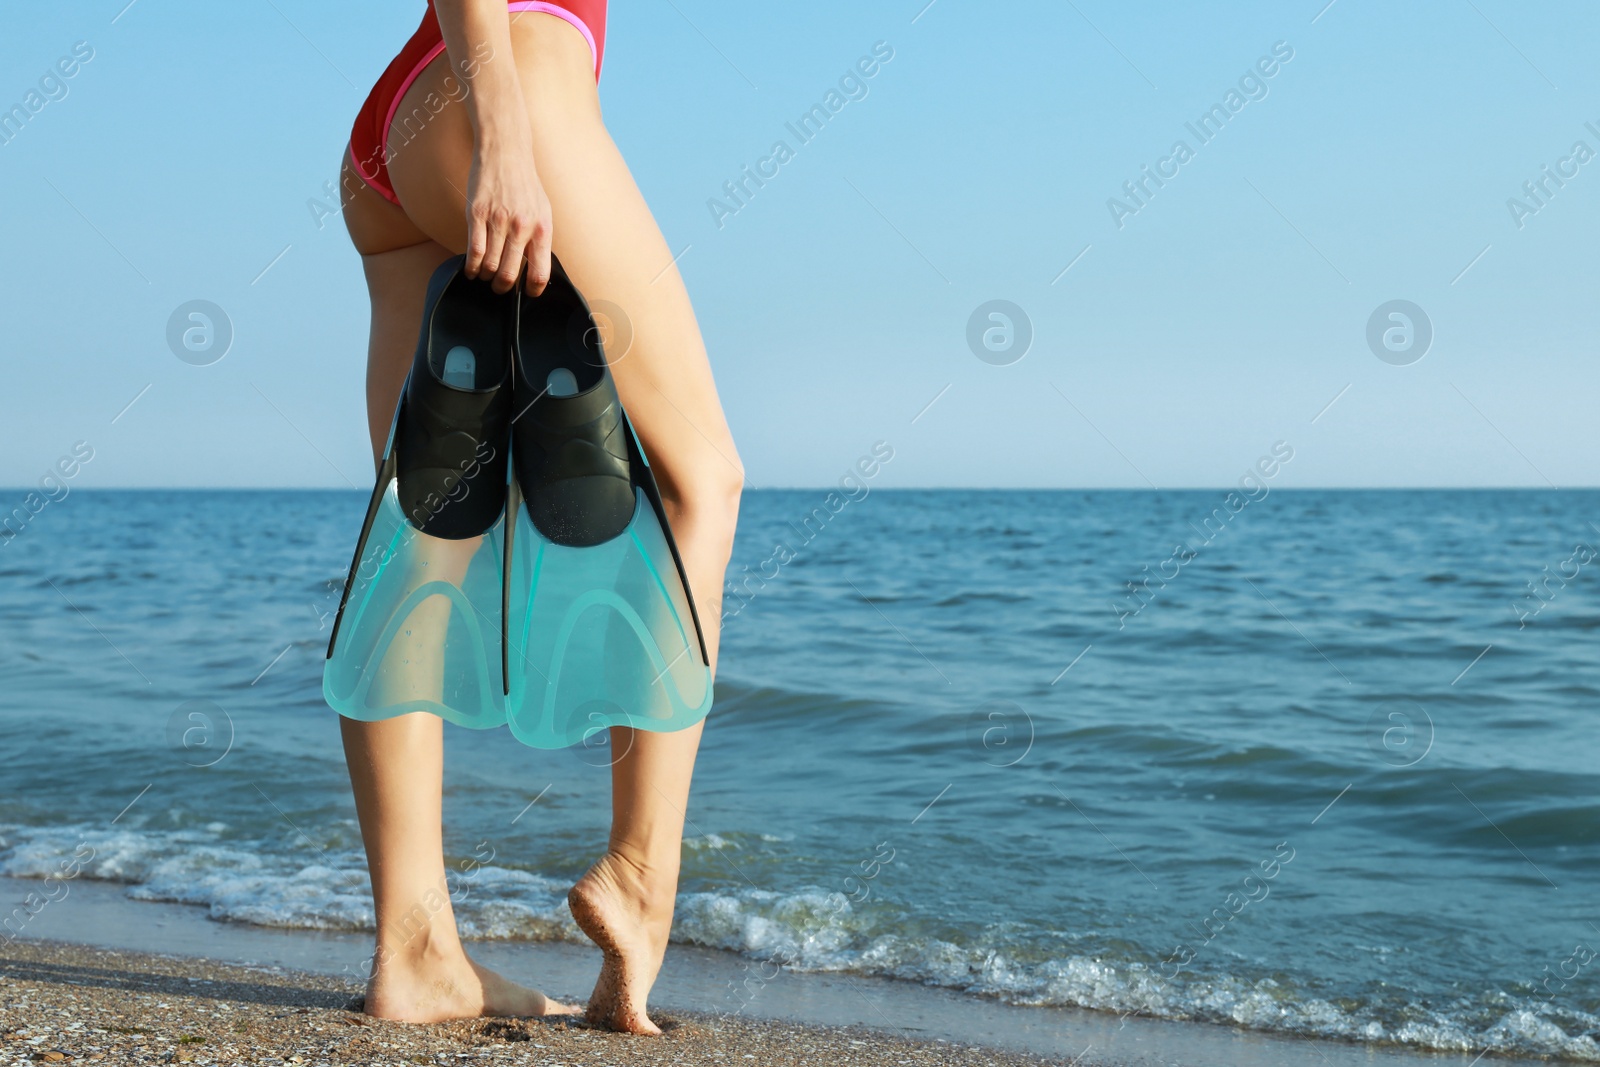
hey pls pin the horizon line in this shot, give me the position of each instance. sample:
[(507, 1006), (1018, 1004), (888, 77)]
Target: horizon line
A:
[(24, 489)]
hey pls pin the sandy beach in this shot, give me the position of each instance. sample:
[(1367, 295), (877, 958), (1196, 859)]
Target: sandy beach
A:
[(63, 1003), (130, 980)]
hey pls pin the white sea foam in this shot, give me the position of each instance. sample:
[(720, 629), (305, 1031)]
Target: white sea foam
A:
[(804, 930), (821, 931), (711, 841)]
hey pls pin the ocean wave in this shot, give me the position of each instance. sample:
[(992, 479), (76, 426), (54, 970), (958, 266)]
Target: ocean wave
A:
[(820, 931), (257, 882), (805, 930)]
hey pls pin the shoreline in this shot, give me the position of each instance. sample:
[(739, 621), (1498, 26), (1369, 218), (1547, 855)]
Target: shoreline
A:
[(721, 999), (67, 1003)]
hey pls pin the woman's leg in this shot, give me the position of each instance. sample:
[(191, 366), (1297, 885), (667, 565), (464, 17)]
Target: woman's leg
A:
[(610, 245), (420, 972)]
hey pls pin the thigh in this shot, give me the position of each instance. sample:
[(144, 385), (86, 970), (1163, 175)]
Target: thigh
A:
[(397, 282), (604, 235), (397, 258)]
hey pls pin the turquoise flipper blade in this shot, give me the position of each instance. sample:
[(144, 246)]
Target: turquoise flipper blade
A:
[(421, 630), (601, 636)]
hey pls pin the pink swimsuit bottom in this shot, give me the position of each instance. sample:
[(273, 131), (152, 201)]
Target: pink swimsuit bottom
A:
[(369, 139)]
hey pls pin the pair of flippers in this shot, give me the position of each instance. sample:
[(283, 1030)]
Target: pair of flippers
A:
[(516, 565)]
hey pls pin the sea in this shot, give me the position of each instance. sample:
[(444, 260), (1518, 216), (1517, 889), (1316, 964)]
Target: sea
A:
[(1312, 762)]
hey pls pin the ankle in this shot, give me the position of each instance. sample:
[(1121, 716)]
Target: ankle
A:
[(647, 889), (643, 870), (416, 949)]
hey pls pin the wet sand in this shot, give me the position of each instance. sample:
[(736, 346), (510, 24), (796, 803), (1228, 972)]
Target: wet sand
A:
[(809, 1018), (62, 1003)]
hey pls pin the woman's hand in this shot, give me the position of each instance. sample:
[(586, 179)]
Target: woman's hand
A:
[(508, 216)]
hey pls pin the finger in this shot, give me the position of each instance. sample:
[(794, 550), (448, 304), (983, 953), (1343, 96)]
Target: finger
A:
[(505, 278), (477, 240), (507, 264), (539, 258), (494, 251)]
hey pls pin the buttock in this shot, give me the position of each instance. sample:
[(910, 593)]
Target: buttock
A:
[(369, 138)]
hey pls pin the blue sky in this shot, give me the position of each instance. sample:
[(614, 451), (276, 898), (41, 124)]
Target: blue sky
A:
[(1223, 316)]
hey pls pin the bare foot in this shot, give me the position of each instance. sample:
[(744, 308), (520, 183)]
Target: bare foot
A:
[(432, 990), (612, 907)]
